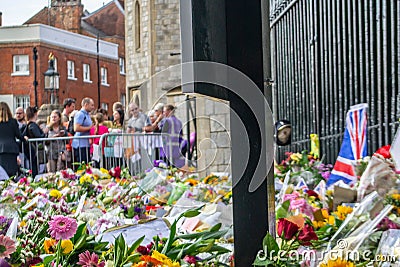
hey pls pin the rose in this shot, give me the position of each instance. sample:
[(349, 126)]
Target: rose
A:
[(287, 228), (306, 235)]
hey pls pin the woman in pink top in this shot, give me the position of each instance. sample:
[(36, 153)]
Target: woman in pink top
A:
[(98, 129)]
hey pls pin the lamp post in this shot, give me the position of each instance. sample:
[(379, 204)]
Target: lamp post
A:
[(51, 81), (35, 83)]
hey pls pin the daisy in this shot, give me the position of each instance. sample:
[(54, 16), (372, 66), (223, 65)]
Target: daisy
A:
[(89, 260), (62, 227), (7, 246)]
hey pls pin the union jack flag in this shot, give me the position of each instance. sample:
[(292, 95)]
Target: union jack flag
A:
[(354, 146)]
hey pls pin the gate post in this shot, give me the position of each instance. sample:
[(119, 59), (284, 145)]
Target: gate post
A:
[(234, 33)]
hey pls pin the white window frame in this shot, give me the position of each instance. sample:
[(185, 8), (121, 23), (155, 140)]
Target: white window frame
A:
[(71, 70), (104, 106), (122, 65), (86, 73), (20, 65), (103, 76), (23, 101)]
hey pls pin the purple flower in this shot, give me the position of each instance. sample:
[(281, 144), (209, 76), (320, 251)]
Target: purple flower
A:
[(137, 209), (4, 224), (386, 224)]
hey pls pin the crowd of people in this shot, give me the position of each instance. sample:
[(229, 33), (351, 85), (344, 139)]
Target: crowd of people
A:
[(15, 131)]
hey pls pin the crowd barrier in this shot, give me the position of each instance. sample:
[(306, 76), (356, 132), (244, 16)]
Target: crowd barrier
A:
[(136, 151)]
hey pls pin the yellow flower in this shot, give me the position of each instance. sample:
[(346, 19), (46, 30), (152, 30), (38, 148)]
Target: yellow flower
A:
[(164, 259), (55, 193), (85, 179), (48, 246), (396, 196), (62, 184), (337, 263), (296, 157), (342, 211), (325, 213), (331, 220), (22, 224), (66, 246)]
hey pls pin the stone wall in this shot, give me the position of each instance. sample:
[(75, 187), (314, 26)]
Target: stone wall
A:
[(213, 135), (160, 49)]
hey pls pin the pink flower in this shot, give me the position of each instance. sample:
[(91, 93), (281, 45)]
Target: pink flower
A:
[(7, 246), (62, 227), (90, 260), (190, 259), (297, 204), (292, 196)]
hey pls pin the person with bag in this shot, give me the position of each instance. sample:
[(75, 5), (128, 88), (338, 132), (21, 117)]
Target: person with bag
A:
[(98, 129), (9, 149), (82, 126), (55, 149), (33, 131)]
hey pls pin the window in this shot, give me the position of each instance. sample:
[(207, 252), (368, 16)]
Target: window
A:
[(22, 101), (123, 99), (21, 65), (104, 106), (55, 64), (122, 65), (103, 76), (137, 26), (86, 73), (71, 70)]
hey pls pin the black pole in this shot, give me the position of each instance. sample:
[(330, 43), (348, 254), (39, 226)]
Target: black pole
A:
[(35, 82), (98, 74)]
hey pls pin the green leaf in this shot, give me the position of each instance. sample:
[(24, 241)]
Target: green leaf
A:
[(214, 235), (80, 242), (285, 205), (79, 232), (270, 245), (135, 245), (264, 262), (206, 248), (171, 237), (216, 227), (191, 213), (48, 259), (281, 213)]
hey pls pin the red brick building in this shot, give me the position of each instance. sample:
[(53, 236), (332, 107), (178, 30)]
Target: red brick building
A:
[(72, 37)]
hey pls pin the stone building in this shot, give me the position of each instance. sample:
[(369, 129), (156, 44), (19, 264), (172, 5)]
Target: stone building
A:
[(153, 48)]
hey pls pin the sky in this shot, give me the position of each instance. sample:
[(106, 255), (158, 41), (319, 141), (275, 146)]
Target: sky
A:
[(16, 12)]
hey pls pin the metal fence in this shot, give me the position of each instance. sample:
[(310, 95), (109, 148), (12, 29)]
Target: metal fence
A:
[(329, 55), (133, 150)]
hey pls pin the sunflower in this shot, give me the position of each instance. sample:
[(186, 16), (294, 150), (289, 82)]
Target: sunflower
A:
[(49, 246), (337, 263)]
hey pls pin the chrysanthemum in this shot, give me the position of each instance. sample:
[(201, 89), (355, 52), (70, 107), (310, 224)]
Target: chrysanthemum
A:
[(7, 246), (55, 193), (62, 227), (337, 263), (89, 260)]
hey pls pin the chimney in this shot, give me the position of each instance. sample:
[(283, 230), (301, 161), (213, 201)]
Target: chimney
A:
[(1, 19)]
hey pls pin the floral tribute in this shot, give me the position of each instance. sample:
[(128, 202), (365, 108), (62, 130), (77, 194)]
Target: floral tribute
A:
[(59, 219)]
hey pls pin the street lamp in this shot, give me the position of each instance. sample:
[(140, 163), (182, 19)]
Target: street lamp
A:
[(51, 81)]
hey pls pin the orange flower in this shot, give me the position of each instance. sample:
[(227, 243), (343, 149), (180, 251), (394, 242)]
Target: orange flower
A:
[(49, 246), (150, 259)]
